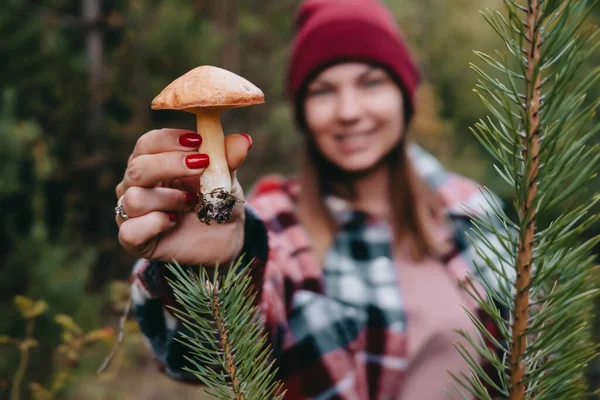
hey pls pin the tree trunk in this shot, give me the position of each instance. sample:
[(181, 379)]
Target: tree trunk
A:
[(94, 52)]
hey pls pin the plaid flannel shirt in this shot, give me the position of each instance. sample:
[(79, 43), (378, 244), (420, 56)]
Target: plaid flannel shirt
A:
[(327, 324)]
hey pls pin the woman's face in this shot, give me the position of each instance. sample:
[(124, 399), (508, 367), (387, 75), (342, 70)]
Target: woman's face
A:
[(355, 114)]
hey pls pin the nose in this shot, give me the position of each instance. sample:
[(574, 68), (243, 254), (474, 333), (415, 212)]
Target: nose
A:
[(349, 108)]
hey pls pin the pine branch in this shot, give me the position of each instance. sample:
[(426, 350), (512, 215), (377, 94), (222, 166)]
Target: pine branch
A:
[(540, 133), (530, 152), (228, 349)]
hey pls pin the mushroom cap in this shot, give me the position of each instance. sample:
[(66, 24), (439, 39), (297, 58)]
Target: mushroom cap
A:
[(208, 87)]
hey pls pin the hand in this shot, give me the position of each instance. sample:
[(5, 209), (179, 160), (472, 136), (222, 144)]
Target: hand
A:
[(159, 192)]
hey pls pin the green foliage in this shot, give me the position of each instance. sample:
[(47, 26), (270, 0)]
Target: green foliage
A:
[(15, 139), (40, 256), (540, 134), (75, 343), (228, 349)]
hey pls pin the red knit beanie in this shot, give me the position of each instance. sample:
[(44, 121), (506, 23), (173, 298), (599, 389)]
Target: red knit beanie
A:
[(331, 31)]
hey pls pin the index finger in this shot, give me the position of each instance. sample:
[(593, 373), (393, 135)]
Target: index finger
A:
[(164, 140)]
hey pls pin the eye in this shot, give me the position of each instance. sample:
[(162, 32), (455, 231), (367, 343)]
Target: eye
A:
[(318, 91), (372, 82)]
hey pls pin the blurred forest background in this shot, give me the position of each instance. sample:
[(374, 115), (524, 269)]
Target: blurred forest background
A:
[(76, 82)]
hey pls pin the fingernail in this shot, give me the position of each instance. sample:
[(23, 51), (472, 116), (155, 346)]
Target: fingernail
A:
[(195, 161), (190, 140), (172, 217), (190, 199), (249, 138)]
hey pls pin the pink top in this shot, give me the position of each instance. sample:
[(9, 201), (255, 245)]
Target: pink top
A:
[(433, 306)]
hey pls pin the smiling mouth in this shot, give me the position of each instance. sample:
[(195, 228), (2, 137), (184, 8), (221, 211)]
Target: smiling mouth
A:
[(355, 137)]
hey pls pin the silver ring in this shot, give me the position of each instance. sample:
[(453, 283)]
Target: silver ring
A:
[(120, 211)]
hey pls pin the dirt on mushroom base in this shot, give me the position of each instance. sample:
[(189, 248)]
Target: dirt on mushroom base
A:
[(216, 205)]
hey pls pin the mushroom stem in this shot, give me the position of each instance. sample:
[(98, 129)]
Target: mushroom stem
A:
[(215, 200)]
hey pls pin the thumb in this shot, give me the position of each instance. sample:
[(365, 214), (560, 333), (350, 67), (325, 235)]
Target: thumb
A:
[(236, 149)]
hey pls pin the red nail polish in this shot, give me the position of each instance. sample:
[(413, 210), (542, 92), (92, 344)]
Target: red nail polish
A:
[(190, 199), (249, 138), (196, 161), (172, 217), (190, 140)]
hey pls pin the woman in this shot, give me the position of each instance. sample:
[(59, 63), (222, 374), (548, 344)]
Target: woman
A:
[(358, 260)]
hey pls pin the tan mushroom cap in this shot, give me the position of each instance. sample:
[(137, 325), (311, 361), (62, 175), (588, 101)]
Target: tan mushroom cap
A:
[(208, 87)]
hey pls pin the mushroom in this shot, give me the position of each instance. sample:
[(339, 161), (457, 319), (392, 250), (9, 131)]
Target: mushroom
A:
[(207, 91)]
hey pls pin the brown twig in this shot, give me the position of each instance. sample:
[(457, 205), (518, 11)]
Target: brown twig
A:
[(525, 251), (120, 337), (23, 360)]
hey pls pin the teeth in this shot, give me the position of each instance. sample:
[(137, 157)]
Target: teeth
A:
[(351, 138)]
